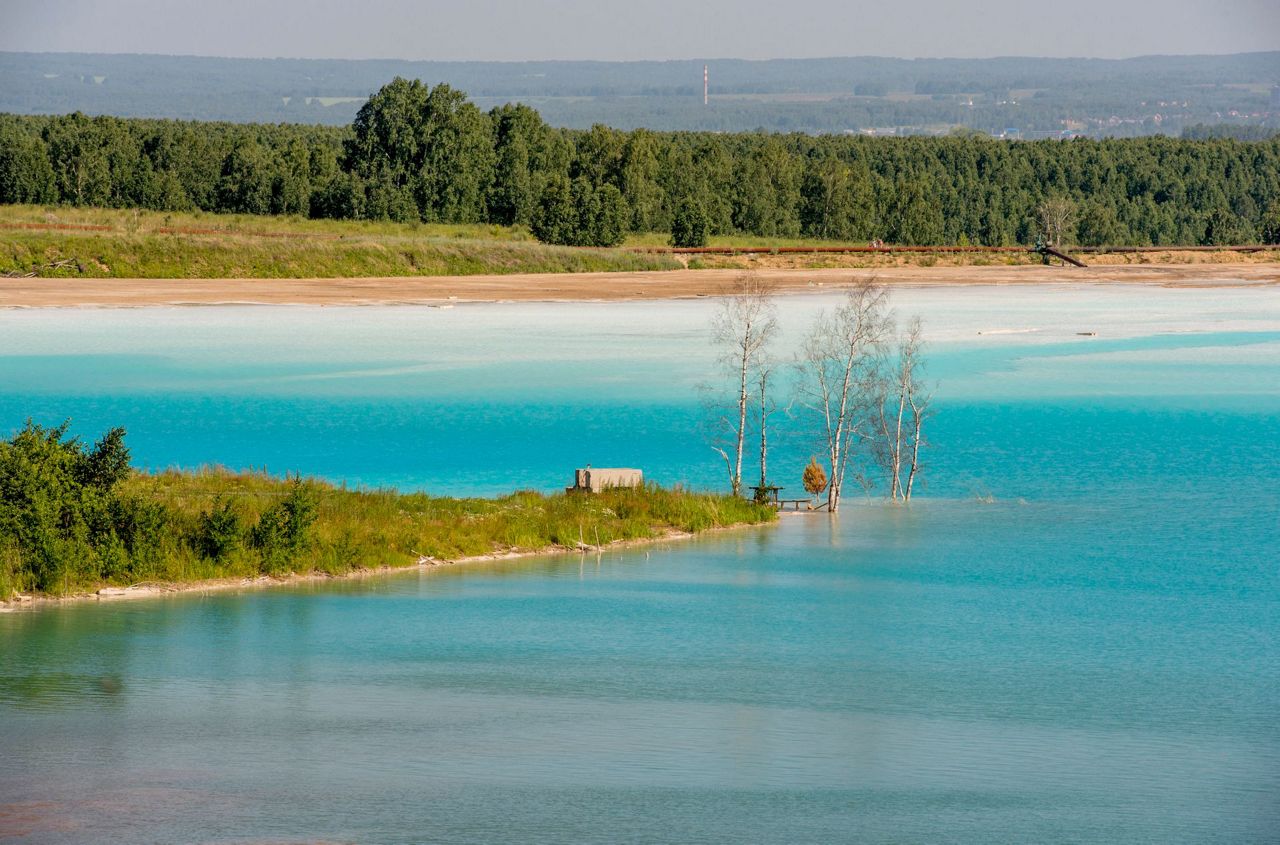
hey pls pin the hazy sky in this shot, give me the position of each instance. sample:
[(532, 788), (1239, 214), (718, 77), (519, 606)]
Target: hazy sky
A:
[(639, 29)]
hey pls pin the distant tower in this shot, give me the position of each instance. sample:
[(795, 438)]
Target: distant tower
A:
[(704, 85)]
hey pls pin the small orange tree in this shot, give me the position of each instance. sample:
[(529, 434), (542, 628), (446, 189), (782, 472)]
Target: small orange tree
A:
[(815, 478)]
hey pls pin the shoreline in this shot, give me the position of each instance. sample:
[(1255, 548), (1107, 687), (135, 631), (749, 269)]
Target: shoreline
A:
[(35, 292), (150, 590)]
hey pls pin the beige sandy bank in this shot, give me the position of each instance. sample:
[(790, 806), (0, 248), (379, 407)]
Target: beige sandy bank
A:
[(565, 287)]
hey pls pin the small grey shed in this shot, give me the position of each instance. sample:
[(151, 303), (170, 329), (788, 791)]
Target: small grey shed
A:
[(592, 480)]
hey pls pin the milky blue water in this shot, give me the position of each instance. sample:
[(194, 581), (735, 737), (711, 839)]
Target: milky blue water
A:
[(1070, 636)]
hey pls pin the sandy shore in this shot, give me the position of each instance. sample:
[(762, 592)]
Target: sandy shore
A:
[(221, 585), (568, 287)]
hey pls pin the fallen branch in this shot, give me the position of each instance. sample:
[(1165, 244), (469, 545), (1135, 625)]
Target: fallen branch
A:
[(53, 265)]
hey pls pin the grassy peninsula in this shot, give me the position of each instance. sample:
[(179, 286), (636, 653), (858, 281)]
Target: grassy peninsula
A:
[(75, 518)]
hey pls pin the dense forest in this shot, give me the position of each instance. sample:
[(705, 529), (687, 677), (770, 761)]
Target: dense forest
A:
[(428, 153)]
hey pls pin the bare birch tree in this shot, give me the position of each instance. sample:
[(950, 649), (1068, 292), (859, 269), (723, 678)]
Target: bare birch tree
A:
[(840, 376), (900, 412), (1055, 215), (920, 402), (742, 328), (765, 408)]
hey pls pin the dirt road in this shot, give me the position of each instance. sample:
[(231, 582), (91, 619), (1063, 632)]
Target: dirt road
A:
[(36, 292)]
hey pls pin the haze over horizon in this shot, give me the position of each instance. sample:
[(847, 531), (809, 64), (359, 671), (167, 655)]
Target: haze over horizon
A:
[(658, 30)]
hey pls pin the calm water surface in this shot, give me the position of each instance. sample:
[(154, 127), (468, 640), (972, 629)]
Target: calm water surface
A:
[(1092, 656)]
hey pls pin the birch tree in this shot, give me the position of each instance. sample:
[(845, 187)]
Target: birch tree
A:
[(765, 407), (742, 329), (1055, 217), (839, 377), (900, 412)]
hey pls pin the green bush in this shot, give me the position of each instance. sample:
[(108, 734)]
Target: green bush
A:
[(689, 225), (285, 531), (580, 214), (221, 531)]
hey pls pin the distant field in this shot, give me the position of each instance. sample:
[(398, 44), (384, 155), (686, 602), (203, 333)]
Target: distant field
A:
[(831, 95), (110, 243)]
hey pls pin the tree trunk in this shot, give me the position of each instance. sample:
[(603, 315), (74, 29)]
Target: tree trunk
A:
[(764, 429), (895, 482), (917, 417), (736, 481)]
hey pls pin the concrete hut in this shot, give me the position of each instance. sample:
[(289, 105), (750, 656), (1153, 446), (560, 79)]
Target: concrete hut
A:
[(591, 480)]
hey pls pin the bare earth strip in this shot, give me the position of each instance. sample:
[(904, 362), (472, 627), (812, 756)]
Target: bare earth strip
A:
[(563, 287)]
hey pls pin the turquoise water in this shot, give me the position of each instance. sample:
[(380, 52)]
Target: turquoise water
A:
[(1092, 656)]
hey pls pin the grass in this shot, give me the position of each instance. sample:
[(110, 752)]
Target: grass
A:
[(144, 221), (662, 240), (356, 529), (141, 244), (155, 245), (858, 261)]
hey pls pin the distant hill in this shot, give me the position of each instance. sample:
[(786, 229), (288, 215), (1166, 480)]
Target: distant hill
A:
[(1022, 97)]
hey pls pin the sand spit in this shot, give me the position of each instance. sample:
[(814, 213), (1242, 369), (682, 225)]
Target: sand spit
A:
[(571, 287)]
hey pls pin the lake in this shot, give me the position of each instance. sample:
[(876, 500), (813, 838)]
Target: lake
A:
[(1069, 636)]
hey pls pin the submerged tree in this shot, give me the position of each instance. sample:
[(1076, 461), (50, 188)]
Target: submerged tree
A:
[(902, 407), (839, 373), (765, 408), (742, 329)]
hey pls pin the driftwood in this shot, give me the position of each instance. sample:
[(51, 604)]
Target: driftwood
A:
[(54, 265)]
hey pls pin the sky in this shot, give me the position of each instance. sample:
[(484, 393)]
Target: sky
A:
[(614, 30)]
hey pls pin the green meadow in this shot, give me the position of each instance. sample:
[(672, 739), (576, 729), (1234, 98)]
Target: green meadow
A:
[(58, 242)]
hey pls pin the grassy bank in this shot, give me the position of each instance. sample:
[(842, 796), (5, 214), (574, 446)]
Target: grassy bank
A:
[(74, 519), (110, 243), (874, 261), (63, 242)]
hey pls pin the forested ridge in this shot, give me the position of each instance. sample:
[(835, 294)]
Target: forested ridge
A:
[(420, 153)]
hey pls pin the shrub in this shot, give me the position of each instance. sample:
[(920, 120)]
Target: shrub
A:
[(689, 225), (580, 214), (285, 530), (107, 463), (220, 531), (814, 478)]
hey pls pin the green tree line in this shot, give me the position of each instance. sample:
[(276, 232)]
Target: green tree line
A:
[(428, 153)]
